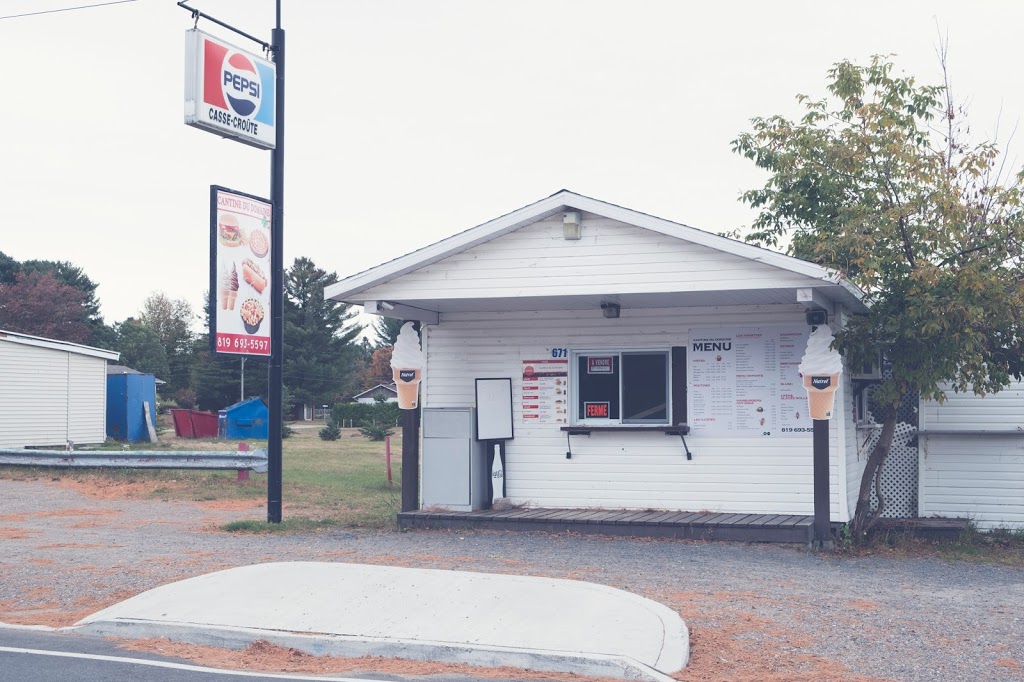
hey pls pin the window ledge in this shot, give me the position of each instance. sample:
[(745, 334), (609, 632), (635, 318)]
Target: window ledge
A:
[(587, 429)]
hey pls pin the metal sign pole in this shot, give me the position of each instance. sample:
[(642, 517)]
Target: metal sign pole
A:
[(410, 459), (275, 376), (822, 525)]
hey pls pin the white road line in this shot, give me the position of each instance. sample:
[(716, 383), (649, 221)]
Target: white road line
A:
[(175, 666)]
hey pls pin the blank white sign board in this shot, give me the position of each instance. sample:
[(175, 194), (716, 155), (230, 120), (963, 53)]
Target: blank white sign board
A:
[(493, 409)]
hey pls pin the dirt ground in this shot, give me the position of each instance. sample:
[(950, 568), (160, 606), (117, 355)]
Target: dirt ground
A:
[(755, 613)]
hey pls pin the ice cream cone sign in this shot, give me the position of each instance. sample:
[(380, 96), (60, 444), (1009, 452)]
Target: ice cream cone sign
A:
[(407, 366), (820, 369)]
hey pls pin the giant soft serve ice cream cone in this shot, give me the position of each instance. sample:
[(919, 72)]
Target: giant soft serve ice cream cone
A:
[(407, 366), (820, 369)]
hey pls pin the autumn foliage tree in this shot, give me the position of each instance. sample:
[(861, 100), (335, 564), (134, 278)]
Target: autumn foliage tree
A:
[(379, 369), (879, 181), (37, 303)]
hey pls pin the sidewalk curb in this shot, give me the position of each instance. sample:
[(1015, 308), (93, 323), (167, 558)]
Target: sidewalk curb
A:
[(597, 665)]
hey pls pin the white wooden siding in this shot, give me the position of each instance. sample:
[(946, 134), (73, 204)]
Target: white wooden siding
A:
[(625, 470), (856, 460), (1002, 411), (975, 477), (38, 386), (87, 399), (611, 258)]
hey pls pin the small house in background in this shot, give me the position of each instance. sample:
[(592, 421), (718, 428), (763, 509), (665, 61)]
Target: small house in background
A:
[(51, 391), (246, 420), (372, 395), (129, 392), (304, 412)]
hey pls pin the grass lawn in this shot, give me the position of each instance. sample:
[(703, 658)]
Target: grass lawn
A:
[(326, 483)]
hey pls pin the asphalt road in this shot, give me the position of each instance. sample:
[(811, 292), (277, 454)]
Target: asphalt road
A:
[(34, 656)]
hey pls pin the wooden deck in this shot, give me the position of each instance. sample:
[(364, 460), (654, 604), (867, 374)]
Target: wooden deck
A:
[(630, 523), (942, 530)]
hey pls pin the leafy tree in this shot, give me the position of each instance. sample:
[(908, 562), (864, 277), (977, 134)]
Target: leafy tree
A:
[(9, 268), (386, 330), (879, 182), (171, 320), (320, 359), (37, 303), (379, 369), (140, 348), (216, 377), (73, 276)]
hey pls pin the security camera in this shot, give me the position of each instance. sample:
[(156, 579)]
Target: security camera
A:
[(385, 305), (817, 318)]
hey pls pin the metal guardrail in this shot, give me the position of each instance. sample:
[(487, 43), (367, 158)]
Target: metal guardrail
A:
[(254, 460)]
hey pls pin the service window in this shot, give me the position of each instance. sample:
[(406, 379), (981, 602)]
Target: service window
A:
[(622, 387)]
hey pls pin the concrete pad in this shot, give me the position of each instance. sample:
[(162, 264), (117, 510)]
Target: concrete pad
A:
[(454, 616)]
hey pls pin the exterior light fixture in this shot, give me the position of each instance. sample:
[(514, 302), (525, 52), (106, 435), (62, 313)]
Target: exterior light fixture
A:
[(610, 310), (571, 225)]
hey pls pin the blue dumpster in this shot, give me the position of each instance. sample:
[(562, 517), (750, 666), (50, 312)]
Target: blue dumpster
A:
[(126, 416), (246, 420)]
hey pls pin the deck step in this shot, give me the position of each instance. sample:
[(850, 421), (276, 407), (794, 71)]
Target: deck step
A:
[(625, 523)]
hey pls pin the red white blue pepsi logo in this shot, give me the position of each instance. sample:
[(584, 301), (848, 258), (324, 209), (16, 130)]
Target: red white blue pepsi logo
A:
[(241, 86)]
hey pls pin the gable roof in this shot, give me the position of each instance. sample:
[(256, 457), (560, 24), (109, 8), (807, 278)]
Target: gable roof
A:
[(386, 387), (124, 369), (242, 403), (55, 344), (566, 200)]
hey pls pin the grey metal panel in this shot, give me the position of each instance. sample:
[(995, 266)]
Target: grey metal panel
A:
[(447, 423), (446, 470), (480, 475)]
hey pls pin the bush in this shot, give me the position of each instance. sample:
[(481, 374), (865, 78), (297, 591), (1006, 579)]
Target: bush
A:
[(365, 415), (376, 432), (330, 432), (186, 398)]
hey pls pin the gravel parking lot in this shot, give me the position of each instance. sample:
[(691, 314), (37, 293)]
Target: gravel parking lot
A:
[(755, 612)]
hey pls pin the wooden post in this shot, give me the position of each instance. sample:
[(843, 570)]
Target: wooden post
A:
[(822, 524), (387, 456), (243, 474), (410, 460)]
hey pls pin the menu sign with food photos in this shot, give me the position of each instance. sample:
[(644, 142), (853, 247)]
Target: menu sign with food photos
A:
[(546, 390), (746, 382), (240, 273)]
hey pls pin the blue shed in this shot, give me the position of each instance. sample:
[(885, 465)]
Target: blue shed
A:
[(127, 393), (244, 420)]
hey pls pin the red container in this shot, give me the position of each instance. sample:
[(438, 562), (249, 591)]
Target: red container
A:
[(194, 424), (204, 424)]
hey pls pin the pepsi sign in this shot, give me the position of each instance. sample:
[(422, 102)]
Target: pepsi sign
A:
[(228, 91)]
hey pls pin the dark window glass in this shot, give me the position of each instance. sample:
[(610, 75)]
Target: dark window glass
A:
[(645, 387), (595, 387)]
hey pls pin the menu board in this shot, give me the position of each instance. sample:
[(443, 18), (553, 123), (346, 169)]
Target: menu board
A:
[(239, 272), (746, 382), (546, 390)]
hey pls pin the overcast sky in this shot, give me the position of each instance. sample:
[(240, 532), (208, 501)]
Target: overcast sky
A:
[(409, 121)]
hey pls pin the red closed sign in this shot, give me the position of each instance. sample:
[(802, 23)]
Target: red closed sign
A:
[(595, 410)]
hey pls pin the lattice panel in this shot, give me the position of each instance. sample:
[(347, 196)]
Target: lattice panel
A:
[(900, 471)]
